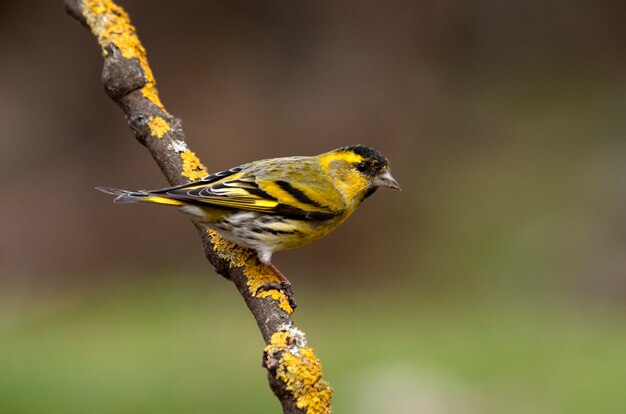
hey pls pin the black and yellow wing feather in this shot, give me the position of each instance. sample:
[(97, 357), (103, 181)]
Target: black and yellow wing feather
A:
[(272, 187)]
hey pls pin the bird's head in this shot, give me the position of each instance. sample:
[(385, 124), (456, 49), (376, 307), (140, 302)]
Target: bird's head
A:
[(358, 171)]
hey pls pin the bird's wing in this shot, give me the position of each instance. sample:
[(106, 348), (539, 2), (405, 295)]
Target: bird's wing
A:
[(243, 189)]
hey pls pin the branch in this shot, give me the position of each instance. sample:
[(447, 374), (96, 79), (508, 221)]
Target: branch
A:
[(294, 372)]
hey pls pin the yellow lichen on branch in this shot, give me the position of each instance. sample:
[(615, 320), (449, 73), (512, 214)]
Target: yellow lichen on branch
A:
[(301, 371), (111, 25), (256, 274), (193, 169), (158, 126)]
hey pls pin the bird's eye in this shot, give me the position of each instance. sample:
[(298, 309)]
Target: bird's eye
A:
[(362, 167)]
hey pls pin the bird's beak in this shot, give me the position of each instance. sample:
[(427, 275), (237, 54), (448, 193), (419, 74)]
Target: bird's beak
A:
[(386, 180)]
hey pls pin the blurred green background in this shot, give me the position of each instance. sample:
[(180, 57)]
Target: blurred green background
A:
[(495, 282)]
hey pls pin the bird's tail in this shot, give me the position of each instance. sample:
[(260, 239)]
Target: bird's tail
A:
[(124, 196)]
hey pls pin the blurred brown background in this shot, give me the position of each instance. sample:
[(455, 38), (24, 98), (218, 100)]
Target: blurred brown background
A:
[(504, 122)]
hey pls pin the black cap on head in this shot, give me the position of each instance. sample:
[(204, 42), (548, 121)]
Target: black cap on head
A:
[(367, 153)]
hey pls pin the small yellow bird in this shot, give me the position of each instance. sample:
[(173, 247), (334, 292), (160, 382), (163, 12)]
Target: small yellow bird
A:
[(280, 203)]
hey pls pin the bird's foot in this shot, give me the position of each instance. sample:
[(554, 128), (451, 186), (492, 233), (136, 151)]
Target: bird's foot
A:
[(280, 286), (283, 286)]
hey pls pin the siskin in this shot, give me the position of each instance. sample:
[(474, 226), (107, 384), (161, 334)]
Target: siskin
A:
[(280, 203)]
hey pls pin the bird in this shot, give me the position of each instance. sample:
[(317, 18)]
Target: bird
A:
[(280, 203)]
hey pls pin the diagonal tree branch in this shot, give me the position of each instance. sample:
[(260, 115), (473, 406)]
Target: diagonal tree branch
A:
[(294, 372)]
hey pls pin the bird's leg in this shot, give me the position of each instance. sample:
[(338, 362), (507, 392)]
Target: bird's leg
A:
[(284, 285), (285, 282)]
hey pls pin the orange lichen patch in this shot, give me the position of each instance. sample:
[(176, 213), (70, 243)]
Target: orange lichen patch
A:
[(158, 126), (149, 91), (192, 167), (111, 24), (283, 301), (301, 371), (256, 273)]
